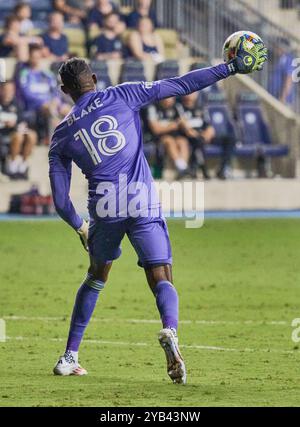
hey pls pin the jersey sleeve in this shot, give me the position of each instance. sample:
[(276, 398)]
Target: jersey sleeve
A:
[(141, 94), (60, 171)]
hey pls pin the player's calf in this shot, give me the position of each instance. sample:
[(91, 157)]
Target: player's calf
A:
[(168, 306), (84, 306)]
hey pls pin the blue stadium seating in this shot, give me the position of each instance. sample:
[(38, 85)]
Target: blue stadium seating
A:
[(167, 69), (132, 71), (222, 121), (5, 9), (255, 131), (40, 10)]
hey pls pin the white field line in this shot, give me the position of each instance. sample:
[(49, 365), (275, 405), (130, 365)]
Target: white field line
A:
[(141, 344), (151, 321)]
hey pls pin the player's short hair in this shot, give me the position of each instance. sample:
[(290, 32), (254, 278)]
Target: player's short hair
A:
[(75, 74)]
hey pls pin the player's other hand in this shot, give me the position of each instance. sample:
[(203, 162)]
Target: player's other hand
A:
[(83, 232), (250, 57)]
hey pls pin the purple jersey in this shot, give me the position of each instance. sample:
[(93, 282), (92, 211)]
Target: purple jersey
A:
[(103, 136), (36, 87)]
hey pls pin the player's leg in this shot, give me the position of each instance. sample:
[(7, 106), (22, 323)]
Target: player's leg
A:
[(227, 145), (14, 160), (208, 134), (30, 140), (160, 281), (29, 144), (173, 152), (183, 148), (150, 240), (85, 303), (104, 247)]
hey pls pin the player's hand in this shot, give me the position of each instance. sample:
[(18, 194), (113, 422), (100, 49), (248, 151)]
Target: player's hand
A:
[(250, 57), (83, 232)]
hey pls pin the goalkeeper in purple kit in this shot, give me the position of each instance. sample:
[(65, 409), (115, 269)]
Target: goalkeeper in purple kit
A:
[(102, 135)]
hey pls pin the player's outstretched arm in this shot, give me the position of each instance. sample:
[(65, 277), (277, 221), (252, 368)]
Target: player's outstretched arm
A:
[(141, 94), (248, 60)]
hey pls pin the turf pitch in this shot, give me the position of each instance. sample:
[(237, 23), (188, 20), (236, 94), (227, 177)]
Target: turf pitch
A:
[(239, 291)]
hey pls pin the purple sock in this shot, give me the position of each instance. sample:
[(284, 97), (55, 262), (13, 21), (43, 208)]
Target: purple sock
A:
[(167, 304), (85, 303)]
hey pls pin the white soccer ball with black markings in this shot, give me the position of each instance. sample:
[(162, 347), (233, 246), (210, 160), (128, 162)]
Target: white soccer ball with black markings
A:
[(231, 45)]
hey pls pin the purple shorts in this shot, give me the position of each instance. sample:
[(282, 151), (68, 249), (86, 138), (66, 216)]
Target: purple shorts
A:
[(148, 236)]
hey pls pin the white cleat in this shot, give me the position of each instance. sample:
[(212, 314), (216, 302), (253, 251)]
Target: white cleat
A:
[(67, 365), (175, 365)]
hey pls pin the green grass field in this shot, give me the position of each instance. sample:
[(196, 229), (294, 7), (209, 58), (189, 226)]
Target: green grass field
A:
[(239, 284)]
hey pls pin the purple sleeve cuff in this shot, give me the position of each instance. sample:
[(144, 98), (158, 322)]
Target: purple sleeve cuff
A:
[(60, 185)]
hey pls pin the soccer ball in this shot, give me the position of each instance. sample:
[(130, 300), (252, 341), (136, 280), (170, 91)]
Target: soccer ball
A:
[(231, 44)]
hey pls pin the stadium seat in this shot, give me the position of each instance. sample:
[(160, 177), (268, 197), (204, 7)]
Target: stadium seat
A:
[(222, 121), (40, 9), (7, 6), (167, 69), (255, 130), (93, 32), (170, 40), (100, 68), (132, 71), (77, 40), (125, 36)]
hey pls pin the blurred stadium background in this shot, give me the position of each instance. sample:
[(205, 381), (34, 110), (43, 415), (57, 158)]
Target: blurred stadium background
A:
[(238, 280), (248, 128)]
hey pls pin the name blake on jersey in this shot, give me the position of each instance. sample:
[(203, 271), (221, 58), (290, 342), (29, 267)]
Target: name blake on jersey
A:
[(84, 112)]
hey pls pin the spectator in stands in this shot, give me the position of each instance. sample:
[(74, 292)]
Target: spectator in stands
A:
[(12, 43), (75, 11), (56, 45), (37, 90), (165, 124), (98, 13), (145, 44), (142, 9), (18, 138), (196, 127), (23, 12), (281, 84), (109, 44)]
